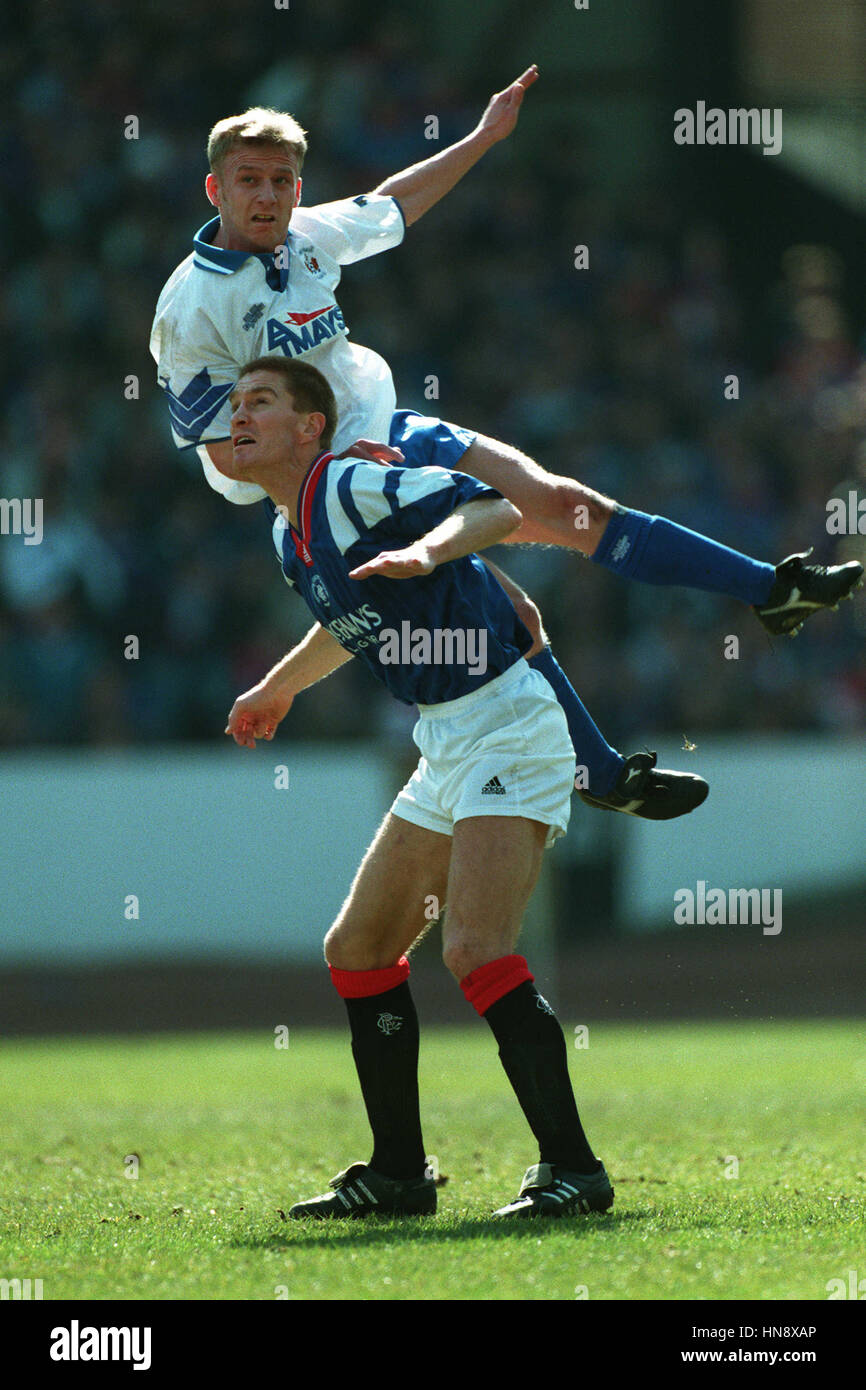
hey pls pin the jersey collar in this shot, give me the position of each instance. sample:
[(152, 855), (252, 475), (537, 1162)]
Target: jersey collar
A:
[(307, 491), (222, 262)]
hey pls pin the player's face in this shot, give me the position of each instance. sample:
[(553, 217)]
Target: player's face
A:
[(256, 192), (266, 429)]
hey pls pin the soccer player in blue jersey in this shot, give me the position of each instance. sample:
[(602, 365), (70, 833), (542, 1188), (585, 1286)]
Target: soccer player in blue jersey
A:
[(262, 278), (384, 558)]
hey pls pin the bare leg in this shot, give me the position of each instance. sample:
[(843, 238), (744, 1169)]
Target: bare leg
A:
[(384, 912), (494, 867)]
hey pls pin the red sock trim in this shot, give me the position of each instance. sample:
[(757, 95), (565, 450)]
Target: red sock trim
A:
[(491, 982), (359, 984)]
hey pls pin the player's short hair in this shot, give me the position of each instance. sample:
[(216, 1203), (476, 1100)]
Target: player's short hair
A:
[(305, 384), (261, 125)]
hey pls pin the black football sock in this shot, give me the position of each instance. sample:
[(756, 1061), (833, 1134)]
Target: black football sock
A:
[(385, 1048), (533, 1052)]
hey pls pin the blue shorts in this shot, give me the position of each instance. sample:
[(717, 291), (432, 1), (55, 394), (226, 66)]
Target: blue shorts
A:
[(428, 442)]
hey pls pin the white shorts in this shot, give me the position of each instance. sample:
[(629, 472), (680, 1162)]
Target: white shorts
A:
[(503, 750)]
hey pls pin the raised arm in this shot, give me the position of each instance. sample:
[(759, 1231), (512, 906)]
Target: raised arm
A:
[(475, 525), (418, 188), (257, 713)]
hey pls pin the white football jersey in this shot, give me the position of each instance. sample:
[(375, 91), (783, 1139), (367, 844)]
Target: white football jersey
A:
[(220, 309)]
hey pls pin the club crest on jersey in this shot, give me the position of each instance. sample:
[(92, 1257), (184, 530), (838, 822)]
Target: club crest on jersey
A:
[(311, 263), (320, 593)]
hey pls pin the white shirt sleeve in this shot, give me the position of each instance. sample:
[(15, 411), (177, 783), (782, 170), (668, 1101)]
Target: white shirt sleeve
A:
[(197, 385), (198, 404), (354, 228)]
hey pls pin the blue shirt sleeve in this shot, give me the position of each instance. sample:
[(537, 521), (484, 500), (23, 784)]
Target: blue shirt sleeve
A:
[(406, 503)]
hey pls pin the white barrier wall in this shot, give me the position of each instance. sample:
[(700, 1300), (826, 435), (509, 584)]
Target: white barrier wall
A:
[(783, 813), (217, 860), (221, 860)]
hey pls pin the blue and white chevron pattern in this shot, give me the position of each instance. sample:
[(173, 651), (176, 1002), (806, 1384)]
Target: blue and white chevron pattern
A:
[(196, 406)]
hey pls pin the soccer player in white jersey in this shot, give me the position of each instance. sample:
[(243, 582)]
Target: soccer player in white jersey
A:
[(262, 278), (378, 553)]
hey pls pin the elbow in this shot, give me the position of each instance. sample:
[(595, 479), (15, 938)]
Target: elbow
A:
[(409, 208), (512, 517)]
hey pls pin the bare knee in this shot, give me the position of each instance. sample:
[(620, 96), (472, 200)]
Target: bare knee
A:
[(352, 950), (465, 951), (336, 949)]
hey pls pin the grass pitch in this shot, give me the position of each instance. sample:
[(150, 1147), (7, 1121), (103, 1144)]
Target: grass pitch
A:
[(735, 1150)]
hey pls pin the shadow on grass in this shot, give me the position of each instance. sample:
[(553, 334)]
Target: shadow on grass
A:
[(379, 1230)]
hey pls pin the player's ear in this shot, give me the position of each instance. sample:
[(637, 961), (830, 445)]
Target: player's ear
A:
[(211, 188), (315, 424)]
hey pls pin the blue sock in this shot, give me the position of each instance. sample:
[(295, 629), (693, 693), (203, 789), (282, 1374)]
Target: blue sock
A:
[(657, 551), (603, 764)]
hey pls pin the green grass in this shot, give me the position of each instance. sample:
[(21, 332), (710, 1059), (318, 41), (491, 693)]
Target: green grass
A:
[(229, 1129)]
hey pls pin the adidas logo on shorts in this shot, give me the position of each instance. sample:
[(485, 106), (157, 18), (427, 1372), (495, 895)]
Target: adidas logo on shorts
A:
[(493, 788)]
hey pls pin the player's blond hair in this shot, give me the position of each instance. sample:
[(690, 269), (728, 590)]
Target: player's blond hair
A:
[(259, 126)]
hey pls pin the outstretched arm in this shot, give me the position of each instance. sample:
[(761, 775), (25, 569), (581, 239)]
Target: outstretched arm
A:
[(257, 713), (475, 525), (418, 188)]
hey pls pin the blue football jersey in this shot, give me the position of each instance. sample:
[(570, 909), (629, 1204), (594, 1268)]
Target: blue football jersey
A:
[(429, 639)]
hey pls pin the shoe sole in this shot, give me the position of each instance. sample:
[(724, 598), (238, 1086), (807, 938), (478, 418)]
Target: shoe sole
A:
[(333, 1212), (352, 1215), (633, 808)]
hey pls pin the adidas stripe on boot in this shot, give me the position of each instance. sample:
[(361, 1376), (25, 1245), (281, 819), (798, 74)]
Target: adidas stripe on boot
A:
[(359, 1191), (553, 1191)]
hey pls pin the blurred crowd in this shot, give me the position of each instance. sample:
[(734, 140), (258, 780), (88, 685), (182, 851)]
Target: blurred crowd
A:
[(615, 374)]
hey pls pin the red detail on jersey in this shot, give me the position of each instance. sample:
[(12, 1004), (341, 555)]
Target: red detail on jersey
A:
[(491, 982), (361, 984), (301, 550), (298, 319), (305, 507)]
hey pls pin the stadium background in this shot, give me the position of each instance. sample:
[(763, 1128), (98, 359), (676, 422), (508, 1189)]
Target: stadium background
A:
[(702, 263)]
